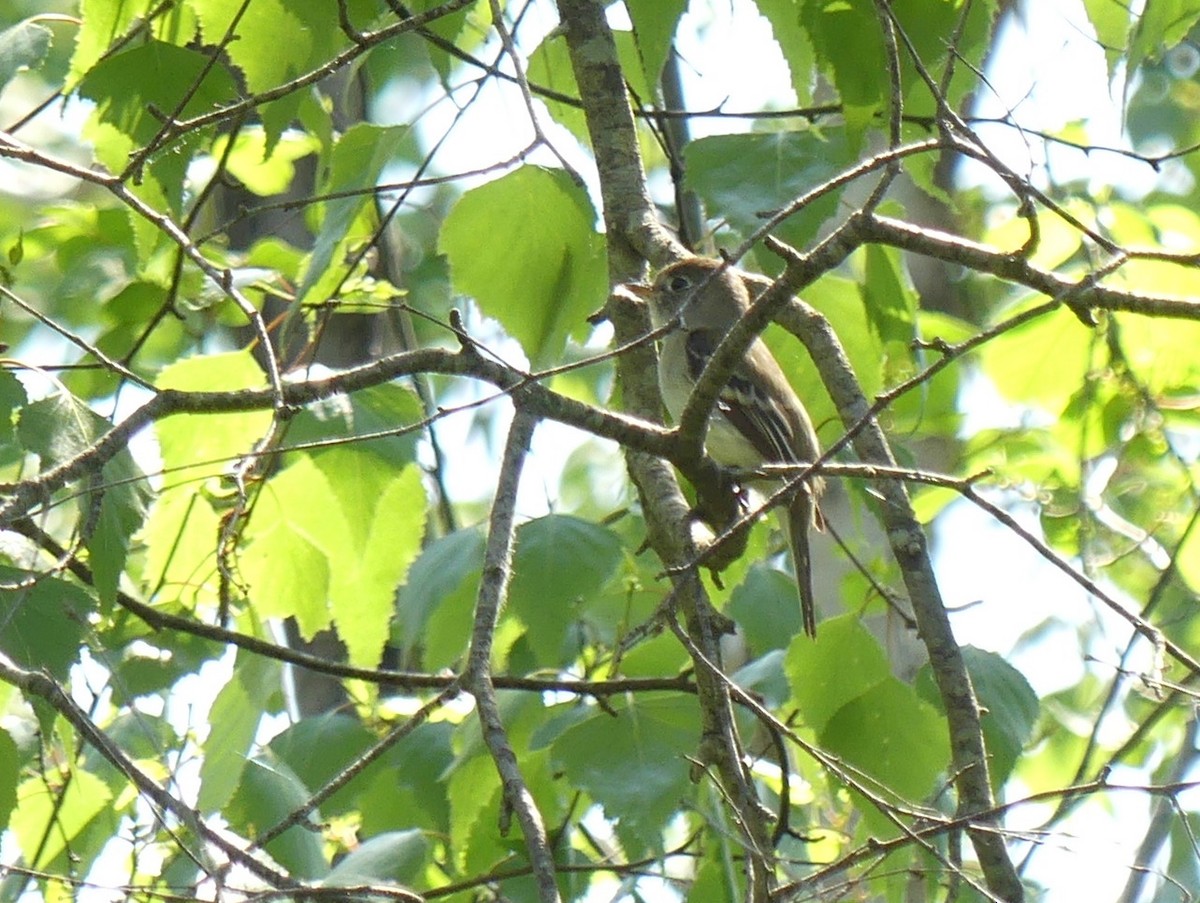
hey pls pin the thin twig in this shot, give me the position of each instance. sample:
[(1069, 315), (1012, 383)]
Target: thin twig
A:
[(477, 678)]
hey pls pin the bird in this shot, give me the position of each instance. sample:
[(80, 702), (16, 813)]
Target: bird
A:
[(758, 418)]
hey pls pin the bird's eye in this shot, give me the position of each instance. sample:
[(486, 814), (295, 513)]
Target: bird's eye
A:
[(679, 283)]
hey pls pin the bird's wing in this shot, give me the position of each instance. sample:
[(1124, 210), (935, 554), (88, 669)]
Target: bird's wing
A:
[(750, 406)]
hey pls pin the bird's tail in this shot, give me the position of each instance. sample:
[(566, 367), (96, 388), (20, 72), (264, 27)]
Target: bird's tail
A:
[(799, 518)]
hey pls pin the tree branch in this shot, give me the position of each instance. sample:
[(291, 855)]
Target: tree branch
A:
[(477, 678), (907, 540)]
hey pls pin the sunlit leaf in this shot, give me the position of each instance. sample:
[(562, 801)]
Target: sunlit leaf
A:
[(654, 27), (793, 41), (49, 819), (357, 160), (238, 709), (827, 675), (548, 274), (334, 538), (262, 171), (181, 533)]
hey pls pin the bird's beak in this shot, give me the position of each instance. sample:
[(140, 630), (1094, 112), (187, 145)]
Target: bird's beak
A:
[(640, 289)]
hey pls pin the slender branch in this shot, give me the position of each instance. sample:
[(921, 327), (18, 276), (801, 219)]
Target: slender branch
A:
[(1017, 269), (477, 678), (36, 683), (910, 549), (1166, 811), (21, 497), (383, 677), (634, 234), (355, 768)]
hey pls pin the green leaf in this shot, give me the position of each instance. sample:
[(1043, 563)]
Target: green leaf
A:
[(391, 526), (741, 177), (396, 856), (844, 33), (358, 158), (386, 408), (234, 719), (50, 822), (1160, 353), (1009, 707), (1111, 22), (286, 572), (654, 24), (104, 21), (764, 676), (143, 662), (766, 608), (278, 41), (827, 675), (793, 41), (892, 735), (181, 533), (268, 793), (261, 169), (41, 626), (1014, 360), (22, 46), (135, 88), (1188, 560), (928, 25), (932, 407), (1184, 868), (12, 399), (477, 792), (349, 526), (888, 296), (547, 274), (188, 438), (141, 736), (550, 67), (465, 28), (474, 789), (560, 563), (401, 789), (123, 508), (1162, 25), (319, 748), (59, 428), (449, 566), (410, 789), (651, 740), (10, 772)]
